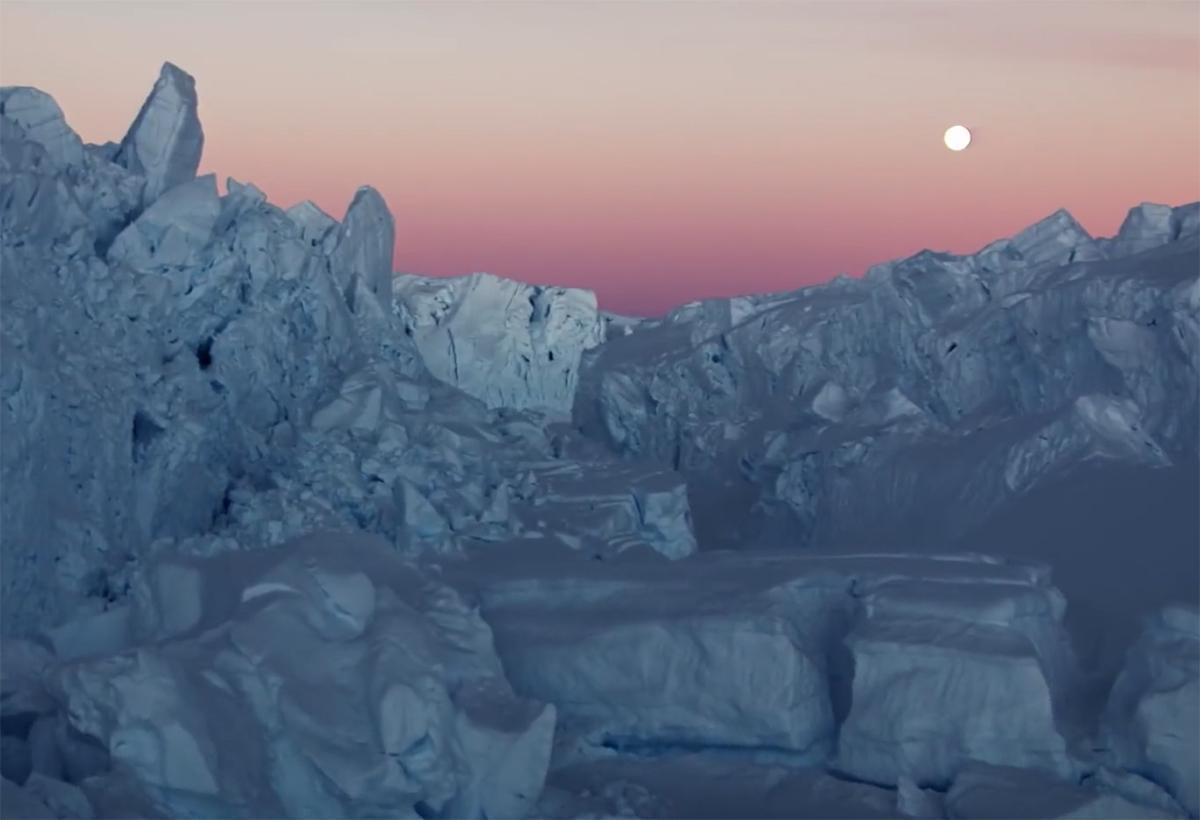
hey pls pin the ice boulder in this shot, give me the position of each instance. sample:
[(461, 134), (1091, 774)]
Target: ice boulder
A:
[(1056, 240), (165, 141), (1152, 721), (314, 224), (323, 678), (43, 121), (1146, 226), (950, 671), (505, 342), (172, 231), (642, 655), (638, 674), (948, 657)]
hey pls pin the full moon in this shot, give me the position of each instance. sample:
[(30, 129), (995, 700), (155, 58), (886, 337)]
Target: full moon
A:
[(957, 137)]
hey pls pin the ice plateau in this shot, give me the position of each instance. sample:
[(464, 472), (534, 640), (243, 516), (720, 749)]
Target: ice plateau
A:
[(284, 534)]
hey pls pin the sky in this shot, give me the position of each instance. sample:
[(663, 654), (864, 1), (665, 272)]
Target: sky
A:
[(658, 152)]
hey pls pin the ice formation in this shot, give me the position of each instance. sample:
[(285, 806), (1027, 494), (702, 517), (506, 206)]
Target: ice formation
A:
[(284, 534), (985, 660), (39, 115), (363, 249), (509, 344), (833, 401), (1152, 722), (165, 141), (918, 668), (325, 677)]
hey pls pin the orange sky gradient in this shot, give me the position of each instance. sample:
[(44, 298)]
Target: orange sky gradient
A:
[(658, 152)]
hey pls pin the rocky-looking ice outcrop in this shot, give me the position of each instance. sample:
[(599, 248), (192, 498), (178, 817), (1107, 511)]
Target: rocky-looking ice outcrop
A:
[(172, 230), (1150, 225), (315, 225), (644, 655), (324, 678), (985, 661), (769, 651), (507, 343), (146, 375), (42, 120), (936, 399), (165, 141), (148, 365), (1051, 242), (196, 370)]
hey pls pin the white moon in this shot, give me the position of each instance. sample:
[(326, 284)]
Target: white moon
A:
[(957, 137)]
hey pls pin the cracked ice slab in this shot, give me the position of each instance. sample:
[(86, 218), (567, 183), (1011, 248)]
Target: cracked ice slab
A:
[(504, 342), (173, 229), (948, 672), (745, 650)]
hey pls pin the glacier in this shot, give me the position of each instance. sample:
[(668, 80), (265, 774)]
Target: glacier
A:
[(286, 533)]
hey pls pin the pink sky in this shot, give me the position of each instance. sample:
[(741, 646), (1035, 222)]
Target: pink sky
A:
[(658, 152)]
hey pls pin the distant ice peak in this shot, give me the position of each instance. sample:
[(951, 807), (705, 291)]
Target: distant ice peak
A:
[(165, 141)]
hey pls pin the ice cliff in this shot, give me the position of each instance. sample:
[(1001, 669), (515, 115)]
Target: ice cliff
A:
[(509, 344)]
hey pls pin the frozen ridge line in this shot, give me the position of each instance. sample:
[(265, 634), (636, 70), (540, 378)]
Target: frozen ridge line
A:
[(259, 560)]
